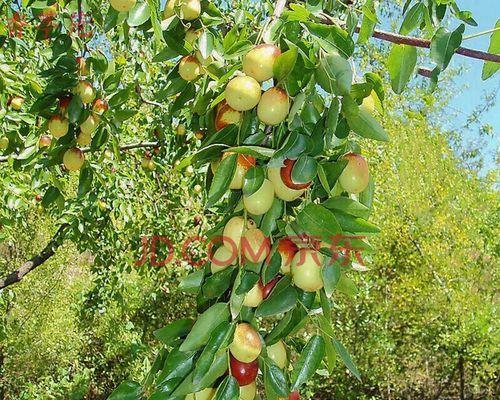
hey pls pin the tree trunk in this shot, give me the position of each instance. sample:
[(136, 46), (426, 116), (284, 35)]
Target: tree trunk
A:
[(462, 380)]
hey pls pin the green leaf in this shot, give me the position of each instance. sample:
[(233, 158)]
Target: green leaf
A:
[(350, 223), (139, 14), (206, 44), (346, 358), (332, 119), (127, 390), (111, 19), (366, 197), (173, 331), (75, 109), (366, 126), (220, 336), (271, 268), (204, 326), (50, 196), (284, 64), (293, 318), (489, 67), (218, 283), (269, 222), (176, 85), (276, 379), (99, 139), (255, 151), (309, 361), (332, 38), (413, 19), (155, 22), (347, 286), (282, 299), (228, 389), (248, 280), (222, 179), (85, 182), (294, 146), (254, 178), (112, 82), (177, 365), (99, 62), (268, 387), (401, 64), (185, 96), (444, 44), (330, 171), (236, 300), (327, 334), (330, 353), (368, 23), (120, 97), (305, 169), (165, 55), (348, 206), (230, 38), (334, 74), (217, 369), (318, 221), (192, 282), (297, 12), (331, 275)]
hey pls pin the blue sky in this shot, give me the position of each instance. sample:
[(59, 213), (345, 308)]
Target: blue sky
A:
[(470, 87)]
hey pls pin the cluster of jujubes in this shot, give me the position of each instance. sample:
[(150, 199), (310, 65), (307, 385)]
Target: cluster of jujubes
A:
[(58, 124), (259, 181), (242, 240)]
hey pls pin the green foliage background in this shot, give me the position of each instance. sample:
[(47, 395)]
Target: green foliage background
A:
[(74, 329)]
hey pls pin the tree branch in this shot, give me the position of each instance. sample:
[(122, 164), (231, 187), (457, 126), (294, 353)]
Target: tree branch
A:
[(132, 146), (425, 43), (278, 9), (36, 261), (417, 42), (140, 145)]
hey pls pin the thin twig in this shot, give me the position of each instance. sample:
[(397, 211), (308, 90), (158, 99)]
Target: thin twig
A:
[(138, 90), (475, 35), (139, 145)]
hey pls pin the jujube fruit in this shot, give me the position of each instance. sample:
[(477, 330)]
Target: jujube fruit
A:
[(259, 62), (261, 201), (246, 345), (122, 5), (306, 270), (273, 107), (242, 93), (255, 246), (355, 176), (244, 373), (73, 159)]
